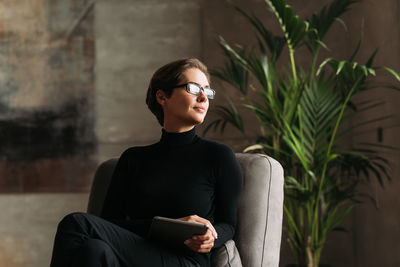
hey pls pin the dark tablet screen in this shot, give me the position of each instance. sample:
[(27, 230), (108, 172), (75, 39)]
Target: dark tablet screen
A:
[(173, 230)]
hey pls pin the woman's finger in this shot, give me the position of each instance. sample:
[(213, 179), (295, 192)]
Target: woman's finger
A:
[(199, 247), (212, 231), (198, 219), (201, 243), (209, 225)]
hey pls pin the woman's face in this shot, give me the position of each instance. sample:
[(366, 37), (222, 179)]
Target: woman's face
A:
[(182, 110)]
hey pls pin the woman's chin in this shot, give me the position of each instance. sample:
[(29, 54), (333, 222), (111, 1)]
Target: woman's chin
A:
[(199, 120)]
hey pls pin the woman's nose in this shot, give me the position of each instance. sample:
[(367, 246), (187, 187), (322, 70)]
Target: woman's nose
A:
[(202, 97)]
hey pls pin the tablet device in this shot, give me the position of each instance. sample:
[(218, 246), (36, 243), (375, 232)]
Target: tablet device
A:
[(173, 230)]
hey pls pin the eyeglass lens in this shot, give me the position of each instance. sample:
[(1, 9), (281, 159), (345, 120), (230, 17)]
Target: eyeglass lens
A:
[(195, 89)]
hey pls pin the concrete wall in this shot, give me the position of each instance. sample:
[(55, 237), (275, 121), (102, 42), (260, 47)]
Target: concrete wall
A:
[(28, 223), (132, 41), (133, 38)]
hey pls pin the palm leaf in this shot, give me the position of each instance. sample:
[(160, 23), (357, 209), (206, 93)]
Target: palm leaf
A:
[(233, 72), (323, 21), (226, 115), (394, 73), (275, 43), (294, 30), (251, 63)]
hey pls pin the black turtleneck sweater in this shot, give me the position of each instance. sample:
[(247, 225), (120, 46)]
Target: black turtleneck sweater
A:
[(181, 175)]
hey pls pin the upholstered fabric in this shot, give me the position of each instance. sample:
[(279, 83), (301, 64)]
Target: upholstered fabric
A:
[(226, 256), (259, 229), (100, 185)]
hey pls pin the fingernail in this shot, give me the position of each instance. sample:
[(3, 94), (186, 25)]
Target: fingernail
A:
[(186, 242)]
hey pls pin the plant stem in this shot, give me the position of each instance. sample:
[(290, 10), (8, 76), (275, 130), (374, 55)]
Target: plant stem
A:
[(314, 63), (328, 156), (309, 253), (293, 64)]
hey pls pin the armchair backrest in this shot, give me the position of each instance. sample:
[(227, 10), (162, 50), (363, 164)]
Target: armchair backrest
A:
[(100, 184), (259, 229)]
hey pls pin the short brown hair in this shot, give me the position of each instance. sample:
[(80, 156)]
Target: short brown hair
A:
[(166, 78)]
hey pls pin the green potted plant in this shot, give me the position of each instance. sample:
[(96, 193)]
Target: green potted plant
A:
[(302, 110)]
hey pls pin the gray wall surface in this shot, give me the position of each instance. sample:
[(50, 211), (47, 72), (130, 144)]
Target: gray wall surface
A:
[(133, 38), (132, 41), (28, 223)]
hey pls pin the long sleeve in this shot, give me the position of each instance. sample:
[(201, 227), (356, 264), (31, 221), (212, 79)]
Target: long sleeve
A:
[(228, 187), (115, 201)]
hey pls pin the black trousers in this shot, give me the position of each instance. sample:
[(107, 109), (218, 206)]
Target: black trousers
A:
[(86, 240)]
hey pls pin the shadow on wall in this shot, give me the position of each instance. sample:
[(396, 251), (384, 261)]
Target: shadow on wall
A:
[(46, 150), (46, 134)]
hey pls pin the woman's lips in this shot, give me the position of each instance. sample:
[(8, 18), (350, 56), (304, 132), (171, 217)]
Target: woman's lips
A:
[(200, 109)]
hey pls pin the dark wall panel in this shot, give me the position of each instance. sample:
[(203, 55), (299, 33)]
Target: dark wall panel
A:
[(47, 140)]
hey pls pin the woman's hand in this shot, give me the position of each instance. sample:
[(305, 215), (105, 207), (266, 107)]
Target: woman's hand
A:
[(201, 243)]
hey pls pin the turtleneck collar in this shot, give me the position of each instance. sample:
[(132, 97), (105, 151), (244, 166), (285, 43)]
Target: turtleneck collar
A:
[(178, 139)]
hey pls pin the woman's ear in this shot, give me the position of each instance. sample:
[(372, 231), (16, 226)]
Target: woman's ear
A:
[(161, 97)]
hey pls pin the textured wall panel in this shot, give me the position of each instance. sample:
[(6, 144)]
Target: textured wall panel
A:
[(46, 95)]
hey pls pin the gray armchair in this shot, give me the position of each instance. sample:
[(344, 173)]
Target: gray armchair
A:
[(258, 234)]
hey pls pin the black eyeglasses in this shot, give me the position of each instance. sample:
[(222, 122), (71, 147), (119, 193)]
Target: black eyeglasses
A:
[(195, 89)]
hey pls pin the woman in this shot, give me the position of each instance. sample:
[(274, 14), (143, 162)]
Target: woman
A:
[(181, 176)]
